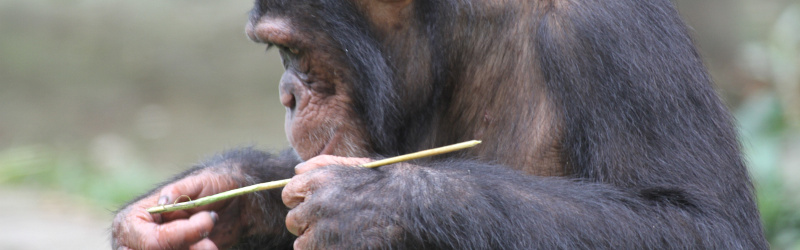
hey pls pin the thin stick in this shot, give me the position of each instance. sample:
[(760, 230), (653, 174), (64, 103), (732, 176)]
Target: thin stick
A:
[(277, 184)]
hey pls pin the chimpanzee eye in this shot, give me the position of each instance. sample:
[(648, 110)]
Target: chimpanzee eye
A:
[(288, 54), (285, 59), (291, 50)]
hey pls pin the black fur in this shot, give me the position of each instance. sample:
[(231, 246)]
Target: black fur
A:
[(651, 153)]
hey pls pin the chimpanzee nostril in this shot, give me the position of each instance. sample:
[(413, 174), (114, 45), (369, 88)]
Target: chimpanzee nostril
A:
[(288, 100), (288, 90)]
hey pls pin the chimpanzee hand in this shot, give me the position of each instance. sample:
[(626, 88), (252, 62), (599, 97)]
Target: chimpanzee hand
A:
[(208, 227), (336, 207)]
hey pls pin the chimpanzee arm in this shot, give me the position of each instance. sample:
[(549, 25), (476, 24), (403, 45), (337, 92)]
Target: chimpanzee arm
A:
[(256, 219), (469, 205), (263, 214)]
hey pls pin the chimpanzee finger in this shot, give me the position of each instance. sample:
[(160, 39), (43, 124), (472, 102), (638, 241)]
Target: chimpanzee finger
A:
[(180, 234), (294, 194), (325, 160), (304, 241), (297, 220), (189, 188), (301, 186), (175, 215), (194, 187), (296, 190), (205, 244)]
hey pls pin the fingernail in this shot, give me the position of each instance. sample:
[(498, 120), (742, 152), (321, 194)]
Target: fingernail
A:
[(214, 216), (163, 200)]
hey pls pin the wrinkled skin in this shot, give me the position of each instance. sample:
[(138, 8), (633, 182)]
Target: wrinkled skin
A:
[(299, 220), (197, 228), (319, 120)]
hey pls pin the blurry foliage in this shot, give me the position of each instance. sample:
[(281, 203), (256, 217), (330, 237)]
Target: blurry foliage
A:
[(169, 77), (69, 173), (764, 130), (770, 127), (104, 98)]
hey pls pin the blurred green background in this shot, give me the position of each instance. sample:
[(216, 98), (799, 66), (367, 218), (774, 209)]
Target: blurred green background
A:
[(102, 99)]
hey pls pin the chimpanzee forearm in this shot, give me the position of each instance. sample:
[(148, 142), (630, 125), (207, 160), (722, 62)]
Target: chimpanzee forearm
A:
[(248, 165), (468, 205)]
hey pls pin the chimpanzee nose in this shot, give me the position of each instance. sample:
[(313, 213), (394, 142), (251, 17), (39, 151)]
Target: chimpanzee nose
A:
[(288, 91)]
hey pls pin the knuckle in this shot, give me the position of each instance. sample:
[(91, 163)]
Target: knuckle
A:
[(299, 220), (292, 222), (303, 241), (294, 193), (320, 176), (168, 191)]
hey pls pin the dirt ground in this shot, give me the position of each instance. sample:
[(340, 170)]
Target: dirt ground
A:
[(31, 219)]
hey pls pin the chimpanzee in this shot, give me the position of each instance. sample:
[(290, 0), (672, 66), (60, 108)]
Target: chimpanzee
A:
[(599, 121)]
